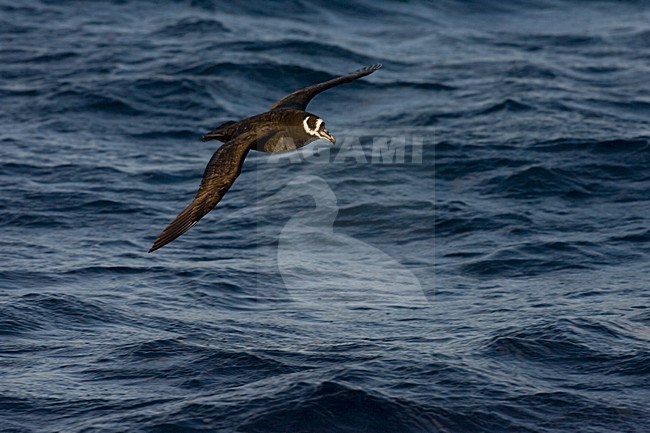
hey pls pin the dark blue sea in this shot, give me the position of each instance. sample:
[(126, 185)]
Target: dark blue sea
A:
[(472, 256)]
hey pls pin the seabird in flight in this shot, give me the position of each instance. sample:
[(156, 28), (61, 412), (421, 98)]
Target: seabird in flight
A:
[(285, 127)]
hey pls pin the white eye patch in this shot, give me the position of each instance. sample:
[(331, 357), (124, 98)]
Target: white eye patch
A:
[(310, 131)]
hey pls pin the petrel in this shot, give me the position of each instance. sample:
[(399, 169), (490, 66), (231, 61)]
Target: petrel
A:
[(285, 127)]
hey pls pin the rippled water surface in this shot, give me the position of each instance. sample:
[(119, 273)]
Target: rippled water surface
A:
[(494, 279)]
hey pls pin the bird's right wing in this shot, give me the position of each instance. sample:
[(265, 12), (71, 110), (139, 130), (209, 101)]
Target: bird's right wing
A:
[(299, 99), (220, 173)]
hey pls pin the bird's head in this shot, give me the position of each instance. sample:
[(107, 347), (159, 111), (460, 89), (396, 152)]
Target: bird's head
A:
[(315, 126)]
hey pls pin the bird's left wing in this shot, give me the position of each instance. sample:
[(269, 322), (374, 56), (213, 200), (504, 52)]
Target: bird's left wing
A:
[(220, 173), (299, 99)]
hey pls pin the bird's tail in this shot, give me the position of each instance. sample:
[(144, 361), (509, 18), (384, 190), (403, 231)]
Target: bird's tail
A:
[(222, 132)]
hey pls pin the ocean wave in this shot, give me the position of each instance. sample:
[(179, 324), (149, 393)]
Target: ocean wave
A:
[(467, 224), (539, 181), (639, 145), (507, 105), (47, 311), (192, 26), (82, 100), (286, 48), (584, 346), (326, 406), (319, 405)]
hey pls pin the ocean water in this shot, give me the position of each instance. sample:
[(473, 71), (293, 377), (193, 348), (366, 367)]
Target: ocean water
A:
[(472, 256)]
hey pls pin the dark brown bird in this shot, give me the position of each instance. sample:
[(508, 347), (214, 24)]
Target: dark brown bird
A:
[(285, 127)]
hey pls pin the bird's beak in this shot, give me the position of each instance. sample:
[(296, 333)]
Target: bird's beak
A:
[(327, 136)]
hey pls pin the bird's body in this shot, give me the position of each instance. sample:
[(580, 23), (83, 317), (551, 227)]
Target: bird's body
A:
[(290, 133), (285, 127)]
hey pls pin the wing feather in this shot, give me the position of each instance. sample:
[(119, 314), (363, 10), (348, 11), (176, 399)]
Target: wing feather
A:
[(220, 173), (299, 99)]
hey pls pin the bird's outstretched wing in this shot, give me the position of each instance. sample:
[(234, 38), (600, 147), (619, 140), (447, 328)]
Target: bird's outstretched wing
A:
[(220, 173), (299, 99)]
